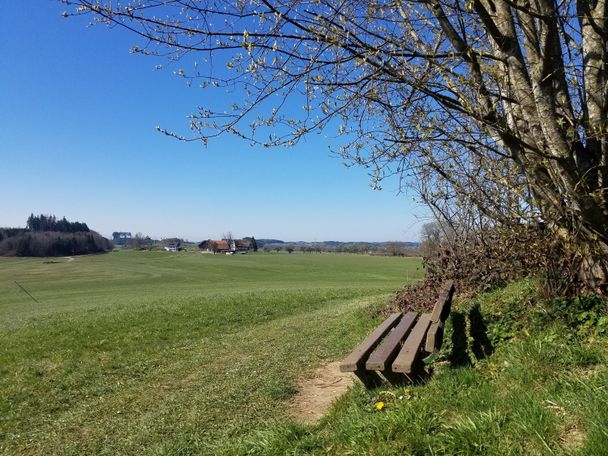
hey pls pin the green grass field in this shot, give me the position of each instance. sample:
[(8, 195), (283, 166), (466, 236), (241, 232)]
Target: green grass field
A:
[(156, 353)]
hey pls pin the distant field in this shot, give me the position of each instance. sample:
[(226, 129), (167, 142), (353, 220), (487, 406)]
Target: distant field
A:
[(154, 352)]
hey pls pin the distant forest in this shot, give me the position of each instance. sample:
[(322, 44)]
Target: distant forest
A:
[(50, 223), (46, 236)]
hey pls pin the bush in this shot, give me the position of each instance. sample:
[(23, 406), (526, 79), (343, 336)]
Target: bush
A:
[(489, 259), (520, 308), (585, 314)]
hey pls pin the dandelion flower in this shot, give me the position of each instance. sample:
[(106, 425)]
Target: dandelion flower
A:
[(379, 405)]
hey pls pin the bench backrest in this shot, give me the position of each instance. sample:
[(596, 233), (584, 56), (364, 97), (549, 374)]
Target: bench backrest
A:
[(440, 313)]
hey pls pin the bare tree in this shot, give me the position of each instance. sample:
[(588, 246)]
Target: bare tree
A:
[(395, 248), (481, 95), (138, 242), (430, 237)]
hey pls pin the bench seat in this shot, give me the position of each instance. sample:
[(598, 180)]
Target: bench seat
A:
[(396, 347)]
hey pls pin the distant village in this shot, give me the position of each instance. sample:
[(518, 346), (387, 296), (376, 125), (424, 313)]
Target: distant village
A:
[(48, 235), (228, 245), (231, 246)]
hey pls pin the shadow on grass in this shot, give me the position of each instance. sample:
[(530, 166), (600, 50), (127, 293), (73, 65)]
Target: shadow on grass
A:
[(474, 342), (372, 379), (481, 346)]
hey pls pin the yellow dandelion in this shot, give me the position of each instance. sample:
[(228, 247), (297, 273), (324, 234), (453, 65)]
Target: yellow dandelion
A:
[(379, 405)]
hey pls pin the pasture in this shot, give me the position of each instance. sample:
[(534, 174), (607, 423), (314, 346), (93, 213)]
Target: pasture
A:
[(180, 353)]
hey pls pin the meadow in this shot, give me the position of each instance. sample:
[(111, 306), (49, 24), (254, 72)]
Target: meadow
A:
[(173, 353)]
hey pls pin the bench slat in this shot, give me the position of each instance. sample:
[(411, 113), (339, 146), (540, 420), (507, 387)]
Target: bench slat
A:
[(411, 348), (384, 354), (444, 303), (434, 337), (356, 359)]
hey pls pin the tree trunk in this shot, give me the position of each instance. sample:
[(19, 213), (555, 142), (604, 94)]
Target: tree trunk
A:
[(593, 270), (580, 263)]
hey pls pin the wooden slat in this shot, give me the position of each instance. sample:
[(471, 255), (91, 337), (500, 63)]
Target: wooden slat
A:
[(384, 354), (434, 337), (411, 348), (356, 359), (443, 304)]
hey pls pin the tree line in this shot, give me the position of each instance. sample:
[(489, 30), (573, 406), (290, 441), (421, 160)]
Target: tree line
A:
[(394, 248), (47, 236), (51, 223)]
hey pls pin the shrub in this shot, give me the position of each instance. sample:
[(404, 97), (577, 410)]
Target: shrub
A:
[(489, 259)]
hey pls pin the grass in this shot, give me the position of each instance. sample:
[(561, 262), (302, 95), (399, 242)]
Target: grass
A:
[(156, 353), (541, 392)]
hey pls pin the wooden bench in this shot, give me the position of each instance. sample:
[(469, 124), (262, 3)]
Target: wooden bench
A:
[(395, 348)]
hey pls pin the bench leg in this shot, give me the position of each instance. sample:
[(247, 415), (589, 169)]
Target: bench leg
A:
[(422, 376), (395, 378), (370, 379), (417, 376)]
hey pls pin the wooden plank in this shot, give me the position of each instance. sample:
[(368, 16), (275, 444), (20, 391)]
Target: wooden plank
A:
[(444, 303), (404, 362), (356, 359), (383, 355), (434, 337)]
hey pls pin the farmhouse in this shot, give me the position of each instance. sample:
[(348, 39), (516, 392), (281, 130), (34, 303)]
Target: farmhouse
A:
[(172, 245), (121, 238), (225, 246), (213, 246), (242, 246)]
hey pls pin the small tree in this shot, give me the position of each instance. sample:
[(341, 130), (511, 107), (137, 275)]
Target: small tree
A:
[(394, 249), (430, 238), (213, 246), (138, 242)]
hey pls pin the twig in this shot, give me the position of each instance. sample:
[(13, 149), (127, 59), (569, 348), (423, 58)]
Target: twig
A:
[(27, 292)]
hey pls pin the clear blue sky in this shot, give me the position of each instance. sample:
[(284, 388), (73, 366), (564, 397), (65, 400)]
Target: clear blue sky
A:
[(77, 138)]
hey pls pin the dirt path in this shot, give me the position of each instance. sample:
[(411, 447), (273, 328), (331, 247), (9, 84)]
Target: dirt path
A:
[(316, 394)]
